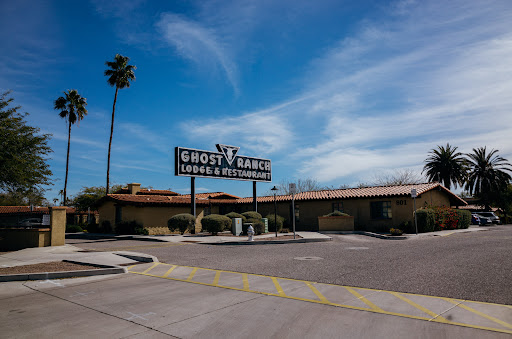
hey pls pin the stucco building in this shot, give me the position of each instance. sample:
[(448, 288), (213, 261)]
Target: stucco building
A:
[(373, 208)]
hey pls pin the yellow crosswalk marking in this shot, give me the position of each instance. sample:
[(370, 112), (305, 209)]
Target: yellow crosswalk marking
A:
[(317, 292), (246, 281), (169, 271), (363, 299), (435, 317), (192, 274), (216, 279), (278, 287), (153, 266), (467, 308)]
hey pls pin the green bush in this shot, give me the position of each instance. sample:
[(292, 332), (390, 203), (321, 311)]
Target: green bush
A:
[(257, 224), (106, 227), (271, 222), (426, 220), (215, 223), (464, 218), (233, 215), (181, 222), (337, 214), (73, 229), (407, 227), (252, 215), (285, 230), (93, 228), (396, 231), (131, 227)]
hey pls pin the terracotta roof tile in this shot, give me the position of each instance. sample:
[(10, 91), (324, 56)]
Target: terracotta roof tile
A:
[(213, 195), (148, 191)]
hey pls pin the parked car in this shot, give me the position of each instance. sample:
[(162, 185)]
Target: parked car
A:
[(30, 222), (483, 220), (475, 220), (494, 218)]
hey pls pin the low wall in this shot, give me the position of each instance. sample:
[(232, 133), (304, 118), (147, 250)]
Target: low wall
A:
[(336, 223), (12, 239)]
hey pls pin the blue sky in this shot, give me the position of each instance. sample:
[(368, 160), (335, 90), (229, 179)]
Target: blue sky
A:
[(338, 91)]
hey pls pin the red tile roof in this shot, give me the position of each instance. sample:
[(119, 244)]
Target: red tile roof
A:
[(26, 209), (148, 191), (213, 195), (364, 192)]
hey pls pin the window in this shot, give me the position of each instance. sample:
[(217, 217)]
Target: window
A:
[(380, 210), (337, 206), (297, 210), (119, 215)]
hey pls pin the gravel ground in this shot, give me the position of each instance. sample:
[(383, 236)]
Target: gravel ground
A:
[(474, 266), (54, 266)]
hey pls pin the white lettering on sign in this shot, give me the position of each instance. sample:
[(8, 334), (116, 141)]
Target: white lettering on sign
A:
[(226, 164)]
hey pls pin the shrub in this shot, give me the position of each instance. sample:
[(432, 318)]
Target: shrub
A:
[(106, 227), (215, 223), (285, 230), (257, 224), (73, 229), (445, 218), (426, 220), (271, 221), (181, 222), (252, 215), (464, 218), (337, 214), (233, 215), (396, 231), (407, 227), (131, 227), (93, 228)]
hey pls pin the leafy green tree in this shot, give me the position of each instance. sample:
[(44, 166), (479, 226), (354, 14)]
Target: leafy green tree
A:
[(487, 175), (120, 75), (72, 108), (23, 151), (446, 166), (89, 197)]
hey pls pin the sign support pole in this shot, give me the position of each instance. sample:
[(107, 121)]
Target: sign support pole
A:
[(254, 201), (293, 211), (193, 196)]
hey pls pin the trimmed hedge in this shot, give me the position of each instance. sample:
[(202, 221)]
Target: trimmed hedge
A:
[(337, 214), (271, 218), (257, 224), (252, 215), (426, 220), (73, 229), (181, 222), (233, 215), (464, 218), (130, 227), (215, 223)]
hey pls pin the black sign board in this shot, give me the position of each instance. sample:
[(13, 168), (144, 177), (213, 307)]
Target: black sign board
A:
[(225, 164)]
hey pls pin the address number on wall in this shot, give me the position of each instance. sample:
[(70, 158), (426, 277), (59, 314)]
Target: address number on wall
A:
[(401, 202)]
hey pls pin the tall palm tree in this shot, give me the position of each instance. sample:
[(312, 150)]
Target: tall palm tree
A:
[(120, 74), (446, 166), (487, 174), (72, 108)]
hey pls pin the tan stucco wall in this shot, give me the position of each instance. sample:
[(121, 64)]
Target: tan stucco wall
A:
[(58, 225), (335, 224), (154, 219), (17, 239)]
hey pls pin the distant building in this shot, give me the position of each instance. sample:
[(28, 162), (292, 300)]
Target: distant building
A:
[(373, 208)]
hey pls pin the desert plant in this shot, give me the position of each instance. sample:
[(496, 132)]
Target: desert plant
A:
[(73, 229), (252, 215), (337, 214), (271, 222), (215, 223), (396, 231), (181, 222)]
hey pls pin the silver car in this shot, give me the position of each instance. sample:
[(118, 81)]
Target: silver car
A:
[(494, 218), (30, 222), (483, 220)]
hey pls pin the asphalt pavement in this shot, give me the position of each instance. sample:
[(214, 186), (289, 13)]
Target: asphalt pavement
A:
[(475, 265)]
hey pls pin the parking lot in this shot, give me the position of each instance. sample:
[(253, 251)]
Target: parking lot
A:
[(474, 266)]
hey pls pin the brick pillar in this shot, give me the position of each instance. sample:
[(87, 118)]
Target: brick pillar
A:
[(57, 225)]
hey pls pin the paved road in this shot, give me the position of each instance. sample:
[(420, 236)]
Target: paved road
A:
[(475, 266)]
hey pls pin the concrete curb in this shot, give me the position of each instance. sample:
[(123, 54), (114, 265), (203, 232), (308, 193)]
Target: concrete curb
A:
[(137, 256), (65, 274), (267, 242), (370, 234), (94, 236)]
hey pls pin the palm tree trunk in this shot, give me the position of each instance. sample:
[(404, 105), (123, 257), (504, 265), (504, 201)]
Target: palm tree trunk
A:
[(110, 141), (67, 163)]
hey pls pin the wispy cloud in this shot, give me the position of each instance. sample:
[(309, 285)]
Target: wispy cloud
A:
[(199, 44)]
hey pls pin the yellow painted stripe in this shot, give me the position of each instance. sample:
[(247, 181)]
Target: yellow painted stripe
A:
[(435, 316), (278, 287), (317, 292), (467, 308), (130, 267), (216, 279), (192, 274), (363, 299), (169, 271), (153, 266), (332, 304), (246, 281)]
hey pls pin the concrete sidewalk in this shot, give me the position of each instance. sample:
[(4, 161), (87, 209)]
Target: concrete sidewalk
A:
[(407, 236)]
